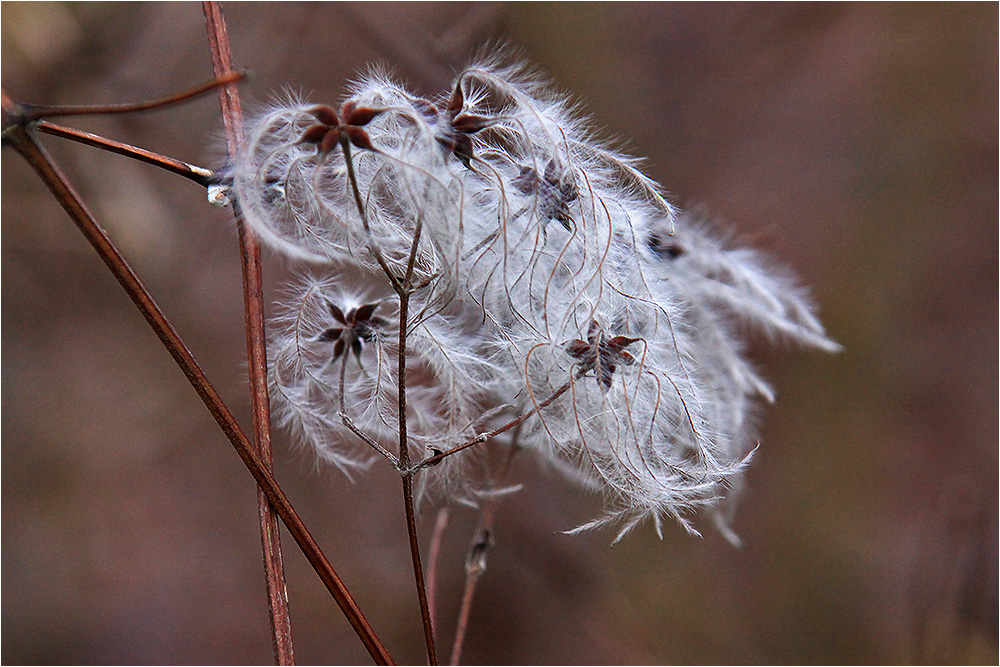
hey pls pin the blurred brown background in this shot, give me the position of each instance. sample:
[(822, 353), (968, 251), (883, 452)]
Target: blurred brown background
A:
[(857, 143)]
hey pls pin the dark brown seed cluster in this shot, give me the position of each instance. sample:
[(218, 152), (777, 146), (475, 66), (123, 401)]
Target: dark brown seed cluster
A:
[(601, 354), (554, 193), (456, 137), (330, 129), (359, 326)]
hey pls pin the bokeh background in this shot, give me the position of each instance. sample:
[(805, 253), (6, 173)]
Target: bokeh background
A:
[(857, 143)]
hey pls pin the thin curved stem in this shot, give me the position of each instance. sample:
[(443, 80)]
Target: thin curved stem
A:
[(349, 423), (33, 112), (345, 145)]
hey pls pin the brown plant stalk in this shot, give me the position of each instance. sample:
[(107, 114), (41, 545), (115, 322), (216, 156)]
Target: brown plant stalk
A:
[(403, 287), (199, 175), (253, 303), (32, 112), (479, 548), (480, 439), (434, 558), (20, 138), (407, 479)]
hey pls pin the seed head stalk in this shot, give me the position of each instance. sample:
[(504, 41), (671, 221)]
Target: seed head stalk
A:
[(403, 290), (349, 423)]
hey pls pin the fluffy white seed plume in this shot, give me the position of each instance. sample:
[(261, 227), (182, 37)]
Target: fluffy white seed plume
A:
[(553, 278), (738, 282)]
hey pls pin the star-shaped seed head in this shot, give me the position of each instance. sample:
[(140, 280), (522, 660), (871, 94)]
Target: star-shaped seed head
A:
[(601, 354), (457, 138), (330, 129), (555, 194), (359, 325)]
